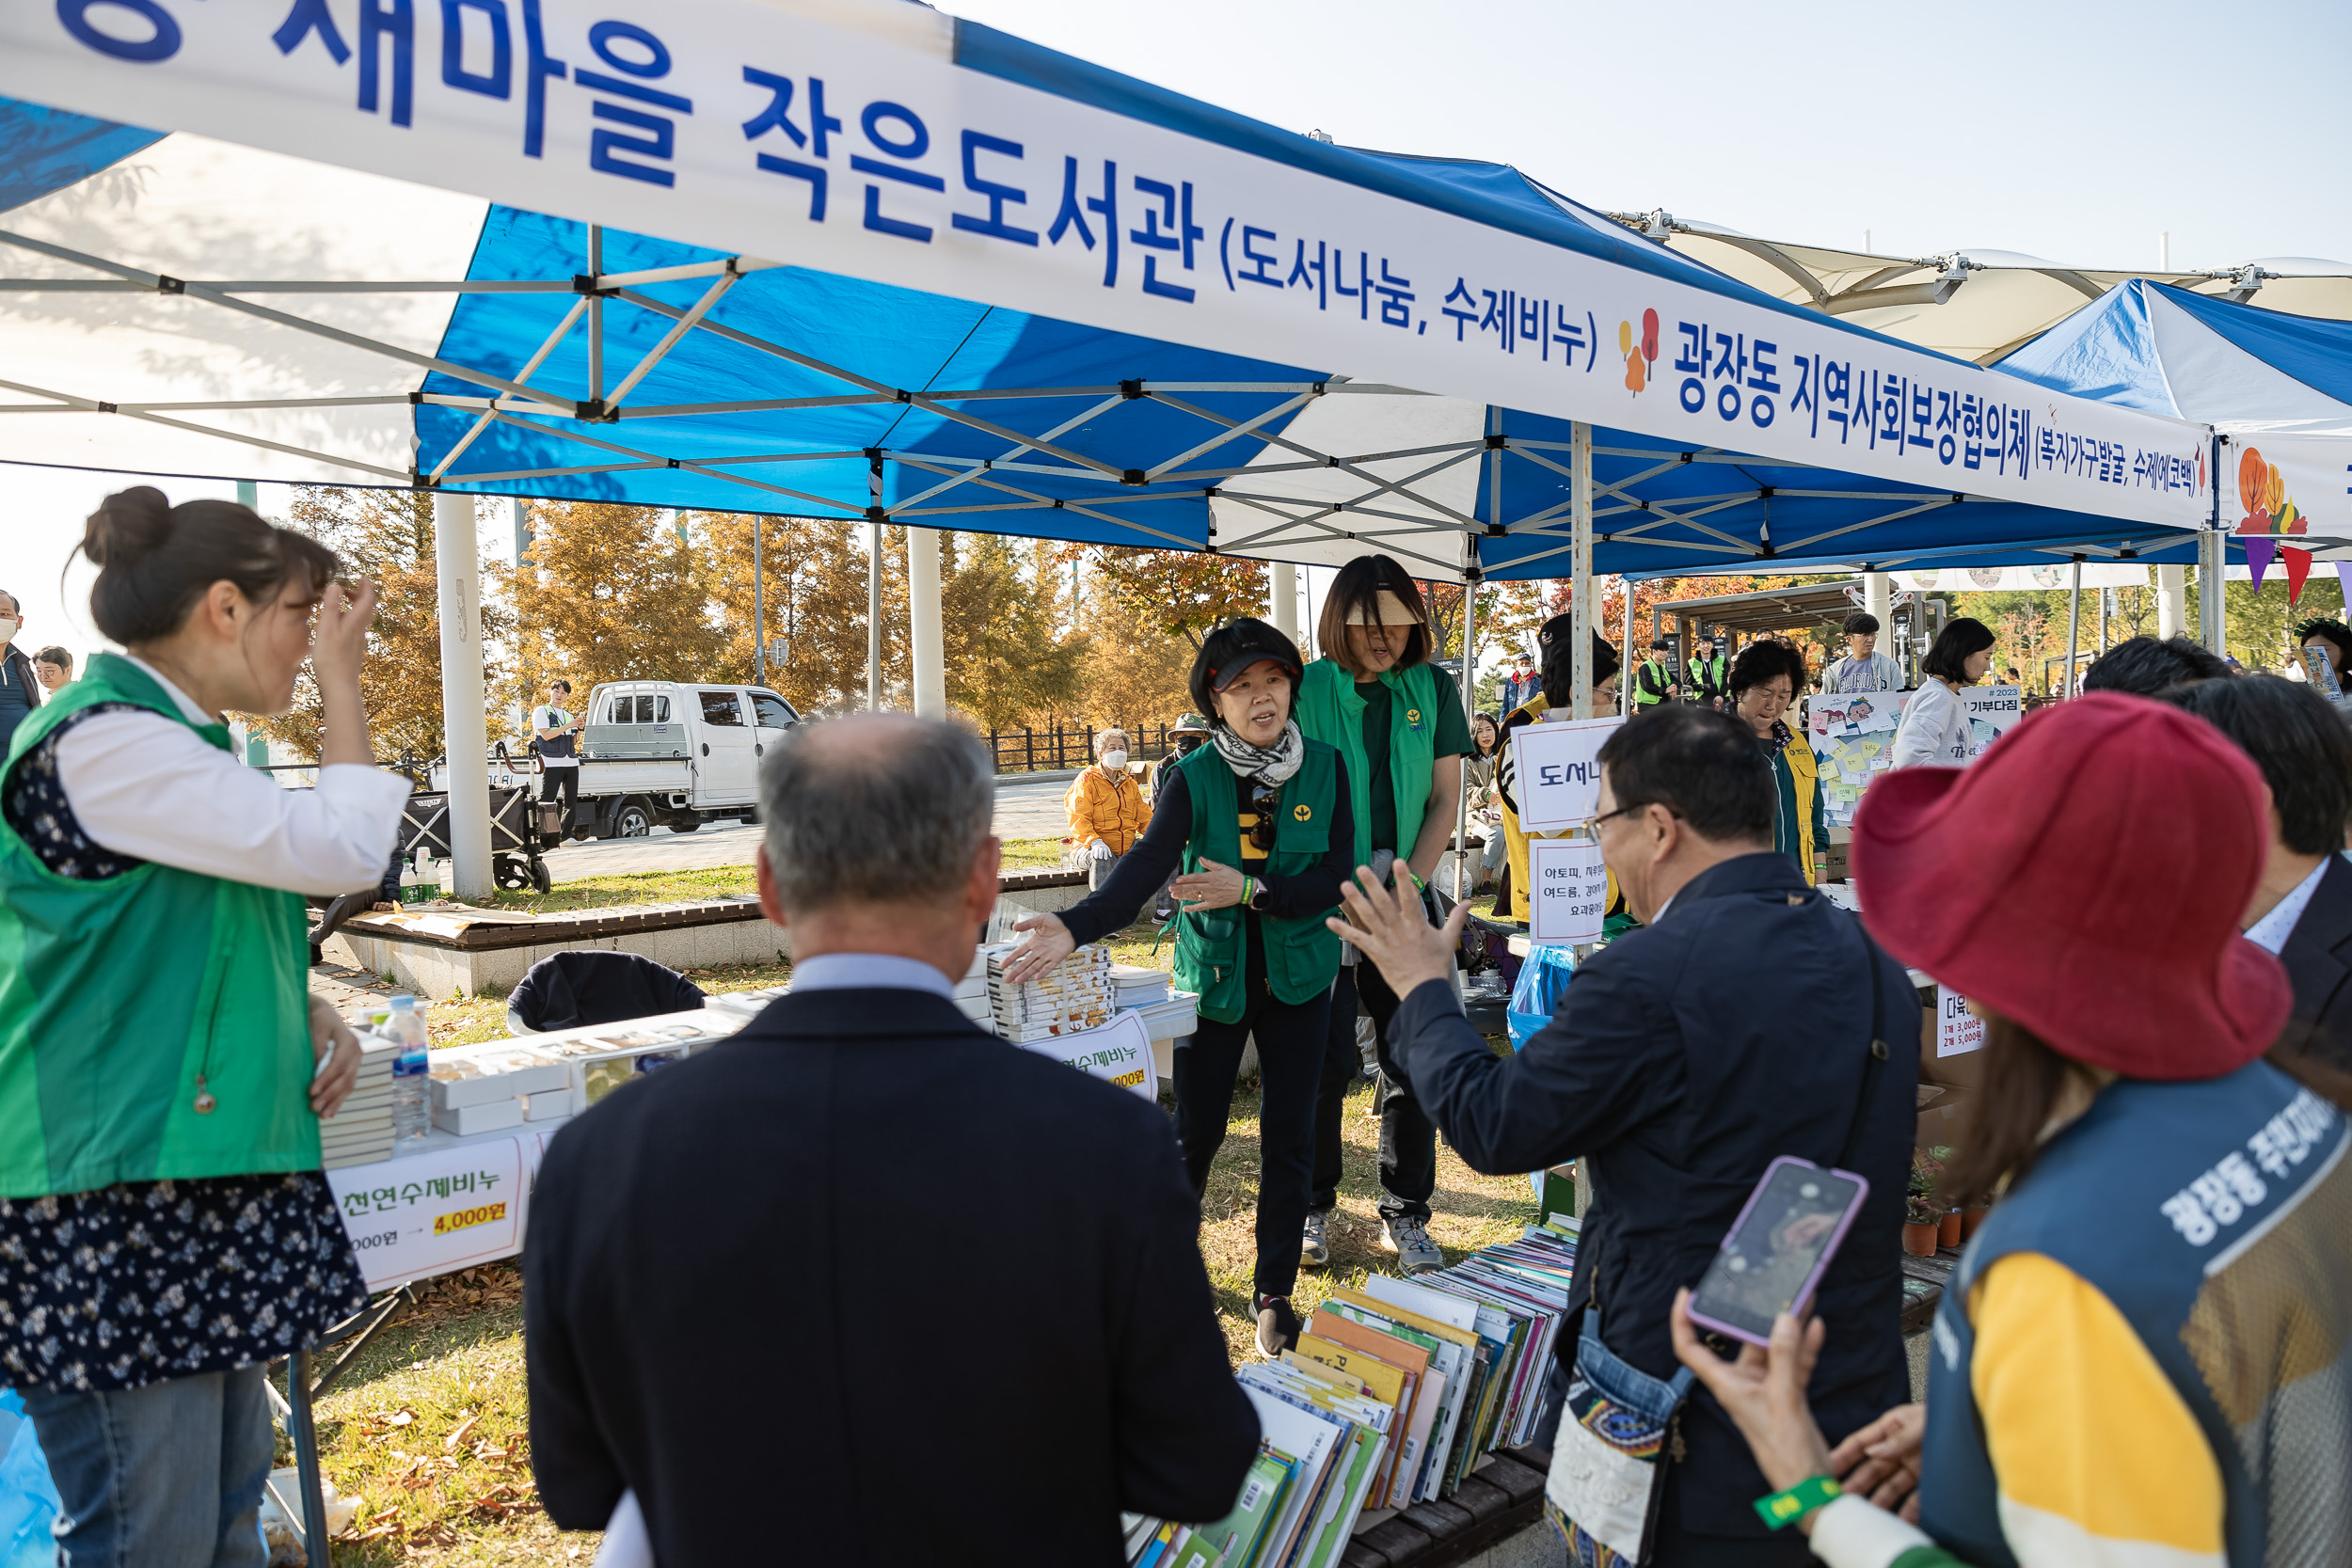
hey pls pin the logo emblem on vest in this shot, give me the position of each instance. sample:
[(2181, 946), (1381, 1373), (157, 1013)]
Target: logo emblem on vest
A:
[(1412, 717), (1304, 813)]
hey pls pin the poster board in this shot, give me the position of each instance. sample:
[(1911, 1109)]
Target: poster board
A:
[(1567, 887), (1556, 768), (1958, 1031), (1852, 735), (1992, 712), (1120, 1051), (444, 1208)]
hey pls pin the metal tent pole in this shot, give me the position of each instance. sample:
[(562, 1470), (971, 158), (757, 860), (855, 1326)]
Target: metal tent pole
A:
[(2073, 628), (1470, 576), (759, 611), (1624, 670), (464, 745), (1284, 599), (1581, 566), (302, 1432)]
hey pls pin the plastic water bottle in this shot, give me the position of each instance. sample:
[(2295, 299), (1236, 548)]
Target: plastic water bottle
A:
[(412, 1104)]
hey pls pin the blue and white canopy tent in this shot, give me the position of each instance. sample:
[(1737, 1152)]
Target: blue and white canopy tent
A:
[(916, 270), (2277, 387)]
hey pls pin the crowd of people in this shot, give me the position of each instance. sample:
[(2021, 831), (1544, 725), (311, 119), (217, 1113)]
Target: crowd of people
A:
[(2146, 1353)]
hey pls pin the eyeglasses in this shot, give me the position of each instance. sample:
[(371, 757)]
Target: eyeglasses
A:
[(1628, 811), (1263, 799)]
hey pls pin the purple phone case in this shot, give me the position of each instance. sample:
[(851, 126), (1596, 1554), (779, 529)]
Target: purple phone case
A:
[(1836, 1238)]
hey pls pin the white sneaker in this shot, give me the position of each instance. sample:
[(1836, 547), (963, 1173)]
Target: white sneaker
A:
[(1314, 1248), (1408, 1238)]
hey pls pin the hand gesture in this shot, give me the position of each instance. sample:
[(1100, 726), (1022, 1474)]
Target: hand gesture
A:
[(1881, 1460), (1212, 887), (1388, 928), (1047, 943), (341, 640), (1763, 1393)]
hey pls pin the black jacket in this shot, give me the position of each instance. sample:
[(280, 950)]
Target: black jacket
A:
[(1683, 1058), (2318, 960), (864, 1284)]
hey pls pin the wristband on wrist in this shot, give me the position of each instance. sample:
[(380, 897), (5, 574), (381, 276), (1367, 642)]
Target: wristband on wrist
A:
[(1786, 1508)]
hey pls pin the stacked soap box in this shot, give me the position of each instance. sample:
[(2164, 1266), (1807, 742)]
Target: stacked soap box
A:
[(971, 992), (483, 1088), (361, 1133), (1075, 995), (597, 1061)]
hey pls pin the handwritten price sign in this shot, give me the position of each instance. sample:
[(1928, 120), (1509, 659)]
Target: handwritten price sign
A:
[(1567, 890), (1557, 772)]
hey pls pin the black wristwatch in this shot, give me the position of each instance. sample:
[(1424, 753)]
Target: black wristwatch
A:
[(1257, 899)]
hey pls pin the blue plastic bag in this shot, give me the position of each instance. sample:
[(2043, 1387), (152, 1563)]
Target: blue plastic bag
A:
[(1543, 977), (28, 1498)]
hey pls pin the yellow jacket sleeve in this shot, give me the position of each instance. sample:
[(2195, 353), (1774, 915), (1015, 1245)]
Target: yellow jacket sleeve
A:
[(2098, 1460)]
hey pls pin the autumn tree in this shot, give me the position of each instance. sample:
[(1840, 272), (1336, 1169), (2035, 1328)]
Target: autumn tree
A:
[(613, 593), (385, 537), (1005, 659), (814, 592), (1183, 593)]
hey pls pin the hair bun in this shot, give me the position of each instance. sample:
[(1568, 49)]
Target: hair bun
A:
[(127, 525)]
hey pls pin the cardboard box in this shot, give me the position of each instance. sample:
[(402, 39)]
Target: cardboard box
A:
[(548, 1104), (1943, 1116), (492, 1115), (476, 1075)]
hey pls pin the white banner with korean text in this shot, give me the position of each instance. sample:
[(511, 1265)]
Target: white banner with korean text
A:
[(843, 137)]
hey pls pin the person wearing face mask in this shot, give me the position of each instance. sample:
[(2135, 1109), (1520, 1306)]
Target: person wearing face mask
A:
[(20, 688), (1261, 822), (1399, 725), (1107, 811), (1934, 727), (1764, 679), (165, 1230)]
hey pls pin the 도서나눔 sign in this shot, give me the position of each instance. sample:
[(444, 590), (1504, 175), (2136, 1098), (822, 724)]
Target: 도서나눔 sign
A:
[(1958, 1031), (893, 143), (1120, 1051), (1567, 890), (1555, 769)]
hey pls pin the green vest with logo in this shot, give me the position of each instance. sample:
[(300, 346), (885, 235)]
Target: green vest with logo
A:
[(1330, 710), (118, 995), (1302, 956)]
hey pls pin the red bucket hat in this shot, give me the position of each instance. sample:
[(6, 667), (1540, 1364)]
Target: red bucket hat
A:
[(2085, 878)]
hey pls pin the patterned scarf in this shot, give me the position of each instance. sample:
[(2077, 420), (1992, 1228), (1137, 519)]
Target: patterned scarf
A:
[(1271, 765)]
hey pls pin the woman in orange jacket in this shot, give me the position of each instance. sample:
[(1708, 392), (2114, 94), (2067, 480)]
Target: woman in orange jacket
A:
[(1107, 811)]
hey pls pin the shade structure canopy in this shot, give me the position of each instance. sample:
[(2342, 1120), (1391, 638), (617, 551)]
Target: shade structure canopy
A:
[(1971, 302), (914, 269)]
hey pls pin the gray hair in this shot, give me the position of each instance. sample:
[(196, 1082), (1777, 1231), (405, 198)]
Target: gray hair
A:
[(874, 808)]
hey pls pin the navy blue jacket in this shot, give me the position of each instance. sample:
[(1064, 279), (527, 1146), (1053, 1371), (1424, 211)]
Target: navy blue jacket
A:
[(1684, 1057), (865, 1284)]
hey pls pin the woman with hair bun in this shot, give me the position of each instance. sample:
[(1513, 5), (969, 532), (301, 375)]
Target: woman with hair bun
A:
[(165, 1230)]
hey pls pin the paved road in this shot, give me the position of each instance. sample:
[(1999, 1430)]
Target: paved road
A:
[(1024, 809)]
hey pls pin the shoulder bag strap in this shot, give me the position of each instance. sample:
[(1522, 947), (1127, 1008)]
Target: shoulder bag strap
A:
[(1873, 1065)]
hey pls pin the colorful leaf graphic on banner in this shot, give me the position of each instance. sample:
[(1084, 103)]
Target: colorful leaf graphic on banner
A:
[(1638, 355), (2269, 510)]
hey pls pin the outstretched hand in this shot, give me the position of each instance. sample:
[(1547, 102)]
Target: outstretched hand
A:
[(1388, 927)]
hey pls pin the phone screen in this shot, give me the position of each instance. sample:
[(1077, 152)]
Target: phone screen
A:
[(1777, 1249)]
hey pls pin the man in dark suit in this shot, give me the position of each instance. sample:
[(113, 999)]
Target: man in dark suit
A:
[(2302, 910), (865, 1284), (1734, 1027)]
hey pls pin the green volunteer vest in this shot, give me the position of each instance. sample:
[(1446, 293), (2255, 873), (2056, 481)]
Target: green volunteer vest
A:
[(1330, 710), (1302, 956), (115, 995)]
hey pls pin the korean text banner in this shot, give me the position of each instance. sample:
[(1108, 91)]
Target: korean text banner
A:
[(843, 135)]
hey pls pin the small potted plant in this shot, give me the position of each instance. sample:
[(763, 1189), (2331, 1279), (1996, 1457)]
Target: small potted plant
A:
[(1972, 1217), (1922, 1217)]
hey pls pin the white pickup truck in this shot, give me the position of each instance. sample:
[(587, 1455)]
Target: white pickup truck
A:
[(673, 753)]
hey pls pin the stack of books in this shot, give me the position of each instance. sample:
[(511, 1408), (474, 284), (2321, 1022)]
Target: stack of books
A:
[(361, 1133), (1393, 1394), (972, 990), (1136, 987), (1072, 996)]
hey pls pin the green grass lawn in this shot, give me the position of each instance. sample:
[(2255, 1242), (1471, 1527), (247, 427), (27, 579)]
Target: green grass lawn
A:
[(431, 1427)]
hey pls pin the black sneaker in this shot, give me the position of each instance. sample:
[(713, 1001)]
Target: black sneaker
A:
[(1277, 1327)]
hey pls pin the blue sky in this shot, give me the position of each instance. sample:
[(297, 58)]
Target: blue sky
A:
[(2067, 131)]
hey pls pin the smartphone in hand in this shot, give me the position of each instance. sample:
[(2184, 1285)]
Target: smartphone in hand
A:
[(1779, 1249)]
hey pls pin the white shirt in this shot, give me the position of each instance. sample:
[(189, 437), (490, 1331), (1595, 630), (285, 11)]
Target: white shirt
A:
[(143, 785), (869, 970), (2271, 931), (1934, 729), (542, 717)]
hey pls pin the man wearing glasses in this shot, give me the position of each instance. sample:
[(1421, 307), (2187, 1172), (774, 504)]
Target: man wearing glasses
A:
[(1735, 1026)]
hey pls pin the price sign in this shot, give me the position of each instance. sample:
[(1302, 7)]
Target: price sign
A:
[(1119, 1050), (1958, 1031), (1556, 771), (423, 1214), (1567, 890)]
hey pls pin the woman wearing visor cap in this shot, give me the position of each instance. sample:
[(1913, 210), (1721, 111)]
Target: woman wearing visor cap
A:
[(1375, 699), (1260, 821)]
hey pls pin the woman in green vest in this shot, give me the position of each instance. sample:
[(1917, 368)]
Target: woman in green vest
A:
[(1765, 678), (1260, 821), (164, 1228), (1398, 724)]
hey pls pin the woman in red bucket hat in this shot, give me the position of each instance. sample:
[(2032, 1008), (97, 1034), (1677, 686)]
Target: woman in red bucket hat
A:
[(2146, 1353)]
